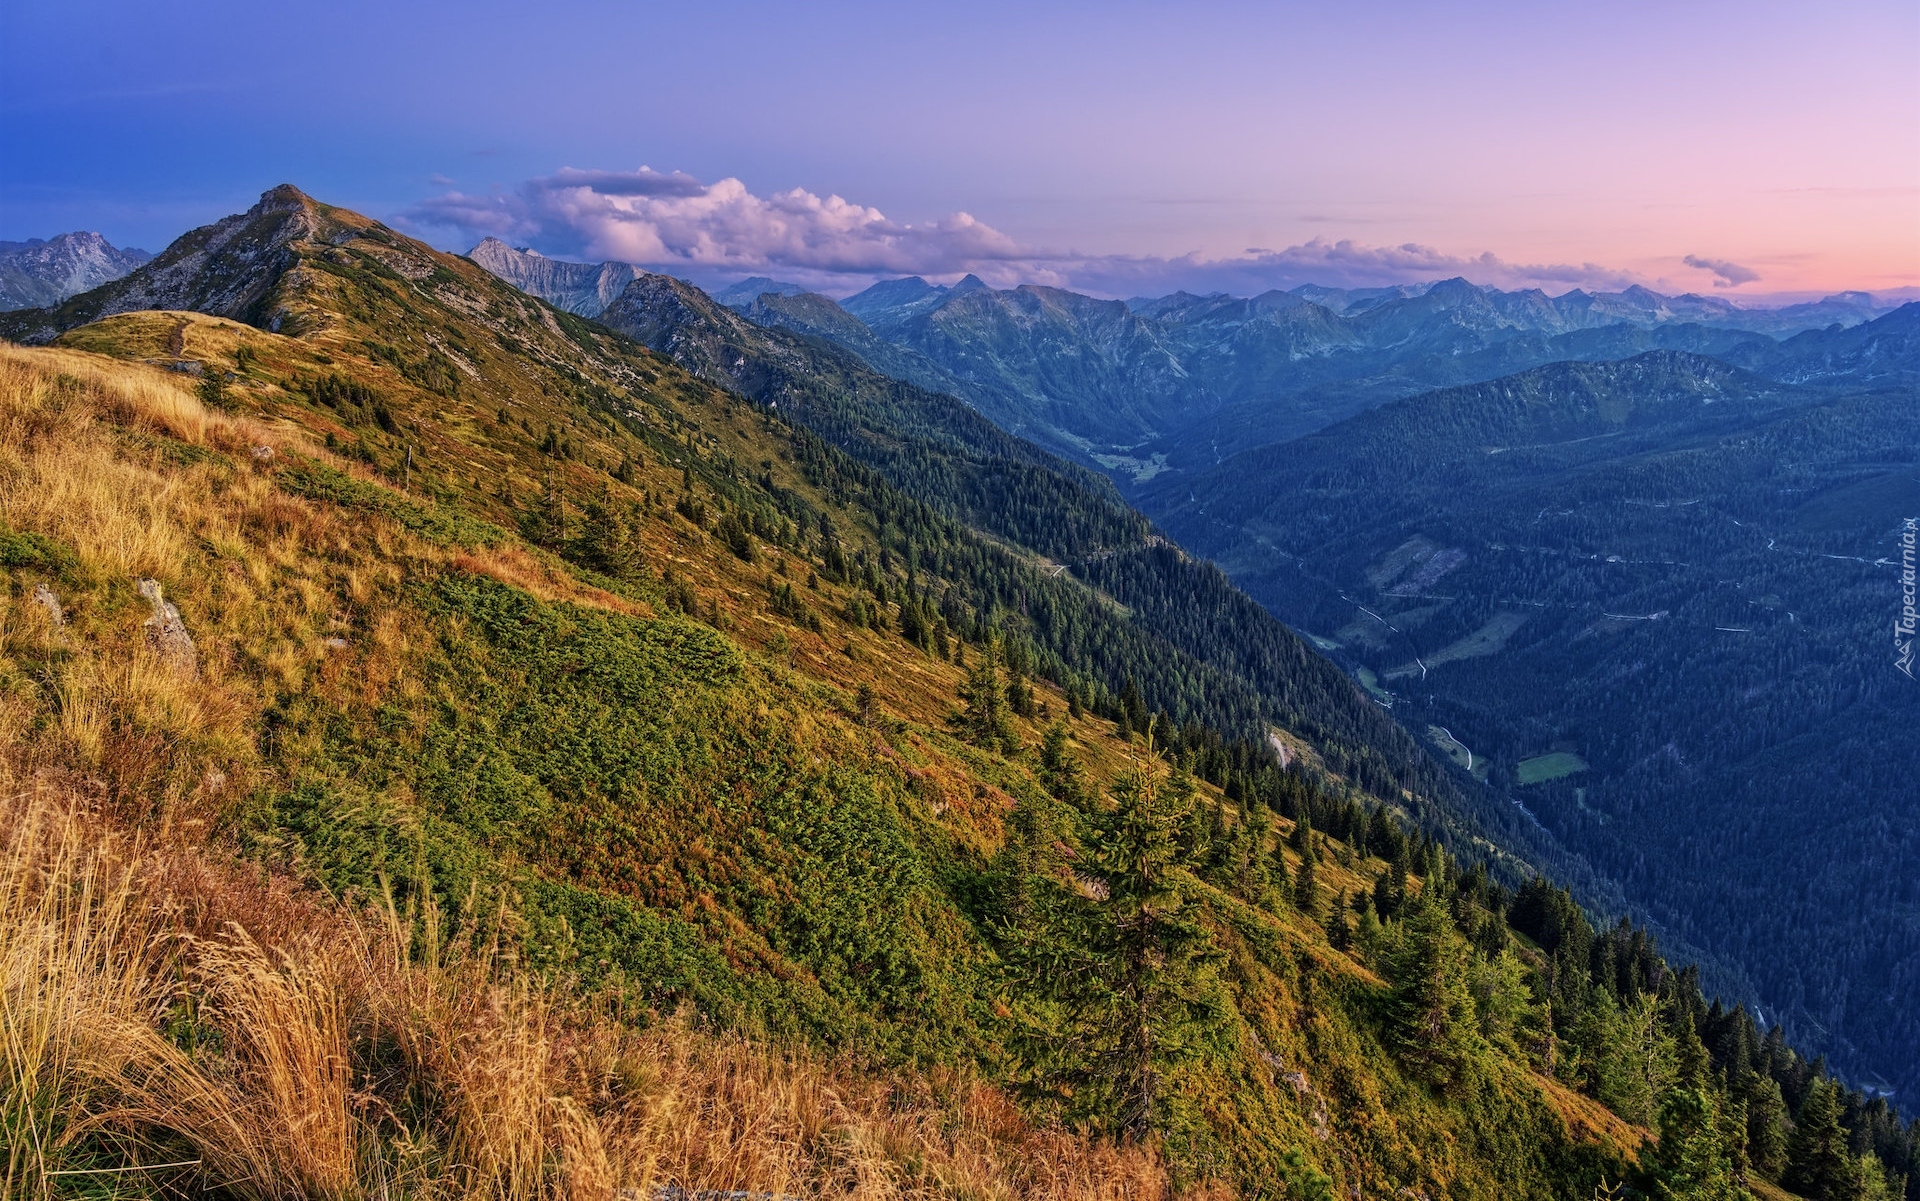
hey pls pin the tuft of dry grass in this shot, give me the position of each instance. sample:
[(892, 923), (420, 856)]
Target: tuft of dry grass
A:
[(720, 1112), (156, 1004)]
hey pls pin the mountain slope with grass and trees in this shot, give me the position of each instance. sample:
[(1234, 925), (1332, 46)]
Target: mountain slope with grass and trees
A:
[(451, 748)]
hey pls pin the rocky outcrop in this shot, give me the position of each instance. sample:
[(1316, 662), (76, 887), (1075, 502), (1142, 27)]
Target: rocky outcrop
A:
[(583, 288), (46, 599), (167, 635)]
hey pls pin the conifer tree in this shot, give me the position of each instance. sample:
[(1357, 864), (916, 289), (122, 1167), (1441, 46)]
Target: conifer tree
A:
[(1026, 869), (1060, 768), (1766, 1126), (1151, 997), (1369, 935), (1390, 891), (1690, 1161), (1820, 1165), (607, 542), (552, 521), (985, 720), (1339, 933), (1631, 1057), (1306, 891), (1432, 1006), (1508, 1016), (1267, 871)]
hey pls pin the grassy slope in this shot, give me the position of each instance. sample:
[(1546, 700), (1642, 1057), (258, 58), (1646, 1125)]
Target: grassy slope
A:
[(397, 698)]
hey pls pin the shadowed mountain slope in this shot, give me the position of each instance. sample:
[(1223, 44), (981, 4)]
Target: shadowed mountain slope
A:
[(1651, 598)]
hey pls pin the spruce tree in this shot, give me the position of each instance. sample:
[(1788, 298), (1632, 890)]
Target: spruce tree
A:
[(607, 542), (1060, 768), (985, 720), (1306, 889), (1432, 1005), (1151, 997), (1766, 1126), (1630, 1056), (1820, 1165), (1690, 1162), (551, 523), (1339, 933), (1306, 892)]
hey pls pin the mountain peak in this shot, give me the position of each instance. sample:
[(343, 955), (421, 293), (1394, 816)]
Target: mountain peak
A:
[(746, 291), (43, 271), (233, 268), (583, 288), (285, 196)]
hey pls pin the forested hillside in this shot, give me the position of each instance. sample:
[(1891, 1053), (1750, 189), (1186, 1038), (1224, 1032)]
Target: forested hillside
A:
[(1650, 600), (452, 750)]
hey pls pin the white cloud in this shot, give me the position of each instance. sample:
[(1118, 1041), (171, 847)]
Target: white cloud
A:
[(1343, 263), (672, 222), (1729, 275)]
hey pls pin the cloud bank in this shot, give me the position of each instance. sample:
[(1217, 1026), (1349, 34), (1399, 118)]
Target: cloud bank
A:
[(1728, 275), (672, 222)]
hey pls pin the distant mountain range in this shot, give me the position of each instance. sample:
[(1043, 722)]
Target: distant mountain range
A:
[(44, 271), (1178, 382)]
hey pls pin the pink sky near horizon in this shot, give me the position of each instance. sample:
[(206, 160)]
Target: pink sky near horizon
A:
[(1782, 138)]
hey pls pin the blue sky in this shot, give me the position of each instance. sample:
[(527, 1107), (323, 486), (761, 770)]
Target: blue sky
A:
[(1121, 148)]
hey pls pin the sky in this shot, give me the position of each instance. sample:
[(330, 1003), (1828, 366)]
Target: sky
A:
[(1758, 151)]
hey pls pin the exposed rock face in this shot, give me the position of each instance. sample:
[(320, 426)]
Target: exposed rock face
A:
[(583, 288), (46, 271), (678, 319), (167, 634), (235, 268), (45, 598)]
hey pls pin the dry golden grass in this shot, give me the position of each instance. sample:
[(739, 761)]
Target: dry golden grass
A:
[(1590, 1121), (160, 1003)]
